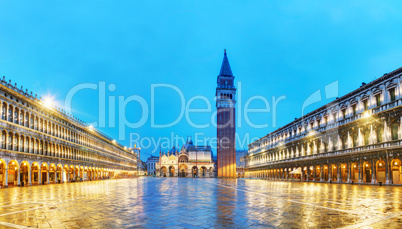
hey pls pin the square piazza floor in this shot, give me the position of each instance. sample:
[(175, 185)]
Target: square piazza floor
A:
[(150, 202)]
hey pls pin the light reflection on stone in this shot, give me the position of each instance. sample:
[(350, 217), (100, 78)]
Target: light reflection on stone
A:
[(209, 203)]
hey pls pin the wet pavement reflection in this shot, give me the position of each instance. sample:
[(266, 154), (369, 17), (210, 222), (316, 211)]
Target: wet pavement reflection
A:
[(200, 203)]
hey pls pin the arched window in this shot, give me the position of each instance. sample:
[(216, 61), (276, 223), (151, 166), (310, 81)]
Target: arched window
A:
[(31, 147), (37, 147), (41, 147), (22, 118), (27, 144), (10, 113), (36, 123), (4, 111), (10, 141), (22, 143), (27, 119), (31, 122), (41, 125), (16, 112), (15, 145), (3, 140), (45, 149)]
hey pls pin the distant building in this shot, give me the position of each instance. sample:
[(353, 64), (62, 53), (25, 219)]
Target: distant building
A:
[(137, 151), (240, 154), (151, 165), (142, 168), (190, 161)]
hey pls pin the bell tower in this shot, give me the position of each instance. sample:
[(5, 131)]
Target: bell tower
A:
[(226, 129)]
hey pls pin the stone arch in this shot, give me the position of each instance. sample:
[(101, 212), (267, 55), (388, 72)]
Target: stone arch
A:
[(25, 173), (52, 173), (367, 172), (380, 171), (344, 172)]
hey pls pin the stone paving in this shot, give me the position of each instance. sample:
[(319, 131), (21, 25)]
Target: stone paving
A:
[(200, 203)]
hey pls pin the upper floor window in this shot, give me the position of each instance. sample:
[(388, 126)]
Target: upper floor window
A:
[(354, 109), (379, 134), (392, 94), (394, 131), (344, 141), (366, 137), (378, 100), (355, 140), (344, 113), (365, 105)]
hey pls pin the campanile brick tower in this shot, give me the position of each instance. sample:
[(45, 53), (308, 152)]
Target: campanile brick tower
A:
[(226, 129)]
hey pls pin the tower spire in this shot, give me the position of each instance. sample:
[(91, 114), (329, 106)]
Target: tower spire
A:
[(225, 68)]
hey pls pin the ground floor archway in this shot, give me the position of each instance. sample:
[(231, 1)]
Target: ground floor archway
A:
[(195, 171)]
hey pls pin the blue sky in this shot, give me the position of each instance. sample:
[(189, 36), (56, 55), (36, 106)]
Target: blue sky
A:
[(275, 48)]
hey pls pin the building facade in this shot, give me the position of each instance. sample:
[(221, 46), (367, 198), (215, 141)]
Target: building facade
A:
[(151, 165), (41, 144), (356, 138), (240, 154), (142, 168), (190, 161), (226, 122)]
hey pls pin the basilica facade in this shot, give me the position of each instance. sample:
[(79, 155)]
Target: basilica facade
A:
[(357, 138), (42, 144), (188, 161)]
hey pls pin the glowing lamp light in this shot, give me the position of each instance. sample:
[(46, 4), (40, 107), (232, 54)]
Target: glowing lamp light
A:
[(366, 165), (48, 102), (366, 115), (90, 127), (396, 163), (354, 166), (114, 141), (380, 164)]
